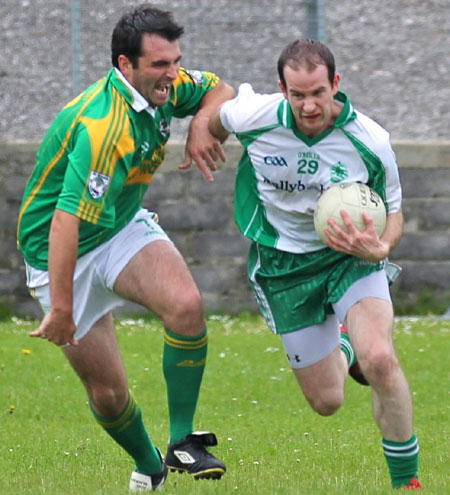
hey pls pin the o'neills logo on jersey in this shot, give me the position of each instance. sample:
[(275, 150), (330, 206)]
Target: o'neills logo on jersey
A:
[(291, 187), (98, 183)]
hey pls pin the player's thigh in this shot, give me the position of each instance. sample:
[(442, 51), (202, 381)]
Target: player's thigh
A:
[(312, 344), (323, 382), (370, 324), (375, 286), (368, 315), (158, 278), (315, 357), (97, 359)]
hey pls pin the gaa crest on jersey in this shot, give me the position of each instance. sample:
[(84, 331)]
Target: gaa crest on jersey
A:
[(98, 183), (196, 75), (339, 172)]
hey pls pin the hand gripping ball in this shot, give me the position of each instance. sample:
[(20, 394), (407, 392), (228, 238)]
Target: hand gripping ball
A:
[(353, 197)]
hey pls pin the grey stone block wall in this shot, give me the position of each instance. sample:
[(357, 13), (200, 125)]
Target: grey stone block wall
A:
[(423, 251), (199, 218), (16, 162)]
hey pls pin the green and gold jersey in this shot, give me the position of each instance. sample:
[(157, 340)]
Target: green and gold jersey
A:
[(98, 158)]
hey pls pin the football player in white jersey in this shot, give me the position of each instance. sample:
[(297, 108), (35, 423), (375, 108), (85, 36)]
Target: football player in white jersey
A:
[(297, 143)]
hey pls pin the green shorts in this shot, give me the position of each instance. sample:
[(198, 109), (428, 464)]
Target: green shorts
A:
[(295, 291)]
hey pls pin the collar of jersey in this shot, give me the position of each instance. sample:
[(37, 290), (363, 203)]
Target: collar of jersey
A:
[(347, 114), (134, 98)]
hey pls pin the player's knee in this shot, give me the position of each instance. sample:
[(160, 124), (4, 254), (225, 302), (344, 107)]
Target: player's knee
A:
[(326, 402), (186, 317), (380, 367), (108, 401)]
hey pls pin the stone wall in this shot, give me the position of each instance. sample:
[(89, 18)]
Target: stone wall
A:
[(199, 218)]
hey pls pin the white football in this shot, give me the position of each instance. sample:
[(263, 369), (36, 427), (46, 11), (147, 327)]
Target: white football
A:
[(355, 198)]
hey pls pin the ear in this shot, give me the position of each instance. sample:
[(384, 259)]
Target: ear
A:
[(336, 80), (283, 89), (125, 65)]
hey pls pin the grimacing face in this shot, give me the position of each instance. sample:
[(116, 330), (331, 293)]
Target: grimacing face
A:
[(156, 70), (311, 97)]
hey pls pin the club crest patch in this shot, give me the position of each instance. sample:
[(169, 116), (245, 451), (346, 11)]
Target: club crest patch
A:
[(98, 183), (339, 172)]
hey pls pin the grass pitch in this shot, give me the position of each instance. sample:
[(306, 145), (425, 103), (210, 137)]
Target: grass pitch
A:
[(269, 438)]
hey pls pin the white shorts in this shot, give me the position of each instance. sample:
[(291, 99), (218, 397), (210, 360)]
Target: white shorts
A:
[(312, 344), (97, 271)]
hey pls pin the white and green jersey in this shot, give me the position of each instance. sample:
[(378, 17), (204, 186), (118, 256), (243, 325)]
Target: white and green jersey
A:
[(282, 172)]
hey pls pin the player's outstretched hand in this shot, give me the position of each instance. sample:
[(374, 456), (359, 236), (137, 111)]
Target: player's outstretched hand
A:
[(57, 327), (363, 244), (202, 148)]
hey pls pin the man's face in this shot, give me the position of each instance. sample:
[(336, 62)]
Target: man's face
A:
[(156, 70), (310, 95)]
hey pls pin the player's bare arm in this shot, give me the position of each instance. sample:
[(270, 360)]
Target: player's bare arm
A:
[(366, 244), (201, 146), (58, 325), (216, 128)]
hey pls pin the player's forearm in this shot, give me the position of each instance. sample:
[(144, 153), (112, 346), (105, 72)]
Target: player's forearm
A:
[(63, 252), (210, 103), (393, 230), (216, 128)]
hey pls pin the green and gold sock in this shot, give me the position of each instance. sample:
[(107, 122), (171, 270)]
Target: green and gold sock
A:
[(128, 430), (402, 459), (183, 365)]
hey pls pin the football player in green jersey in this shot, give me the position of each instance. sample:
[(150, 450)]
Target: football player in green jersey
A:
[(297, 144), (89, 245)]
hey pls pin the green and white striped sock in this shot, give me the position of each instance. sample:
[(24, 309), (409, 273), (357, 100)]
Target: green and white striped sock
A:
[(347, 349), (402, 459)]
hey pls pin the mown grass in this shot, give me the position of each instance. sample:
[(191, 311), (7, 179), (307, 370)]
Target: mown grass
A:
[(270, 440)]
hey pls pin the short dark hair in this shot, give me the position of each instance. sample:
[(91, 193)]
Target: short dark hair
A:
[(127, 34), (307, 53)]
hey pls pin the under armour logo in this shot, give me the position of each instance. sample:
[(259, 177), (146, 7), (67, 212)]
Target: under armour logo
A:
[(296, 358)]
